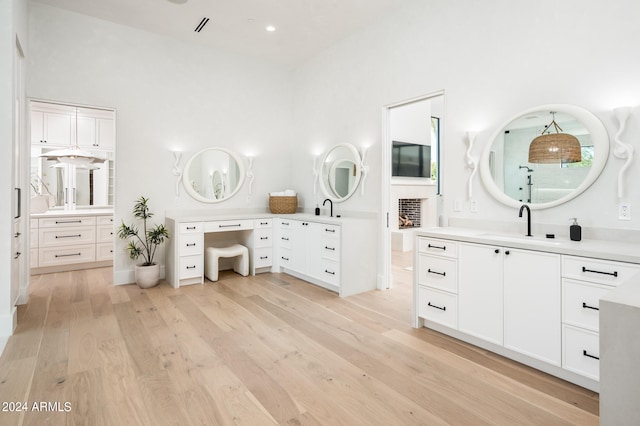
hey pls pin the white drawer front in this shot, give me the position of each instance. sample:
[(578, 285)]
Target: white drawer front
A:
[(263, 223), (331, 249), (434, 246), (191, 244), (191, 227), (228, 225), (66, 255), (330, 231), (598, 271), (262, 257), (580, 303), (104, 251), (57, 222), (330, 272), (438, 306), (104, 233), (104, 220), (50, 237), (285, 258), (191, 266), (438, 272), (285, 223), (262, 237), (284, 239), (581, 351)]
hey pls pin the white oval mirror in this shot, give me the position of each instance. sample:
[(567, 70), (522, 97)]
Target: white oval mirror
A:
[(340, 172), (513, 177), (213, 175)]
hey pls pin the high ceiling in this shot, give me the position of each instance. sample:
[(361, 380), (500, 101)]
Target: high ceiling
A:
[(302, 27)]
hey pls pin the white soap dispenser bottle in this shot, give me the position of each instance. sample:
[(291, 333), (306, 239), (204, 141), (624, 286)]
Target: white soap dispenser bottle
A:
[(575, 230)]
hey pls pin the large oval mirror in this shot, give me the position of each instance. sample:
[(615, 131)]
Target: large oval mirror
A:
[(340, 172), (213, 175), (556, 168)]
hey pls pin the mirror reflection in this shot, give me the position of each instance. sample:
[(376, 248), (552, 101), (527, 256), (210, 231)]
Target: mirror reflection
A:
[(213, 175), (341, 172), (551, 170)]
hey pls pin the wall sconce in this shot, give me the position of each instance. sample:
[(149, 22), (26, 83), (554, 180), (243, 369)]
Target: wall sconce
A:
[(364, 168), (250, 175), (471, 162), (316, 173), (177, 155), (622, 150)]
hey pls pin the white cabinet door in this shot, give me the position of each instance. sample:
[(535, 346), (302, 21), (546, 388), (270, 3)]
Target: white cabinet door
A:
[(57, 128), (37, 127), (314, 250), (86, 132), (480, 291), (298, 261), (105, 133), (532, 304)]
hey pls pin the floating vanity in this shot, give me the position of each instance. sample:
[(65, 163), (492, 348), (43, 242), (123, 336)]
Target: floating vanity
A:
[(534, 300), (329, 252)]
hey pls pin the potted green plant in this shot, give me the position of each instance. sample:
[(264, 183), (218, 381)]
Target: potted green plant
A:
[(144, 242)]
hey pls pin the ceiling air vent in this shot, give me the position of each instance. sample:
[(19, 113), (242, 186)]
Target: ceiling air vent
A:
[(201, 24)]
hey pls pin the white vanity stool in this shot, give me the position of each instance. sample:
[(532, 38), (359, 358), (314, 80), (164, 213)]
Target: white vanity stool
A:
[(213, 254)]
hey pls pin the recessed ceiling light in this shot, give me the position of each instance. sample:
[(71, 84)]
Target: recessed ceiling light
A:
[(178, 1), (270, 28)]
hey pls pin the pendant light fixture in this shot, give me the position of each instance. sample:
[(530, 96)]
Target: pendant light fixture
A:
[(555, 147), (74, 155)]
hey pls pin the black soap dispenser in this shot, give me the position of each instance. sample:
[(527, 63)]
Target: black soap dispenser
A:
[(317, 210), (575, 230)]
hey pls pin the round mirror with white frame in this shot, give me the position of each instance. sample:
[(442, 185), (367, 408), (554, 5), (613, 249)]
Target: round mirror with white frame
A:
[(213, 175), (511, 178), (340, 172)]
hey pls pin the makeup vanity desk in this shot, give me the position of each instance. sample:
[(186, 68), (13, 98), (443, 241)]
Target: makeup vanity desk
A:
[(335, 253)]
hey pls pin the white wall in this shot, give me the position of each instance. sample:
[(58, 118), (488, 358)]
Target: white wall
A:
[(167, 95), (493, 59)]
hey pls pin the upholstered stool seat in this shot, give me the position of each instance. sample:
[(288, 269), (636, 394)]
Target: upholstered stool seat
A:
[(212, 256)]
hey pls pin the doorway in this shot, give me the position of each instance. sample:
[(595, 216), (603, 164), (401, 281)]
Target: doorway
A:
[(411, 181)]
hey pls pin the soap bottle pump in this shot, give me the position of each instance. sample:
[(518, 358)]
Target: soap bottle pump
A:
[(317, 210), (575, 230)]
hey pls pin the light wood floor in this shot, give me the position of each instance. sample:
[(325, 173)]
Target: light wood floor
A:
[(260, 350)]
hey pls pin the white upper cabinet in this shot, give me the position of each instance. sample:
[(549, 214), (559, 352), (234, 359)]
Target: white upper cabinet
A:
[(51, 128)]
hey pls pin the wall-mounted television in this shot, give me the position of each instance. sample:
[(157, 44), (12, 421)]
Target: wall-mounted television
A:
[(410, 160)]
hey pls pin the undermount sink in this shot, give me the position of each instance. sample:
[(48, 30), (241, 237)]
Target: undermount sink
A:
[(522, 239)]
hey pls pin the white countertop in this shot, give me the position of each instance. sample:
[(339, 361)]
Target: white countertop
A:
[(600, 249), (199, 216), (77, 212)]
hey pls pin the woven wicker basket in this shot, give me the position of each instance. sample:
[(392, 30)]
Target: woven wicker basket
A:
[(283, 205)]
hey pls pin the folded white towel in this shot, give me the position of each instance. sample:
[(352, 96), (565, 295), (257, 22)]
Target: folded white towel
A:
[(287, 193)]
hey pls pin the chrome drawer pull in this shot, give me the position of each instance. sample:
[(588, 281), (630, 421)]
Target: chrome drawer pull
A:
[(587, 354), (613, 274), (68, 221), (69, 236), (585, 306), (444, 274), (437, 247), (230, 226), (67, 255), (443, 308)]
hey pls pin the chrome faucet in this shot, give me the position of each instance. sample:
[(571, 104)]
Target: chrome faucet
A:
[(331, 204), (523, 207)]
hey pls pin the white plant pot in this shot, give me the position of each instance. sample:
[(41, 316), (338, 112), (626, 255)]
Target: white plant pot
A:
[(147, 276)]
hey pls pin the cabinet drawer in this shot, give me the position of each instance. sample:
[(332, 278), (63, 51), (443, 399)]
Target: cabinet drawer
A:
[(50, 237), (104, 220), (438, 306), (581, 351), (191, 244), (330, 272), (189, 227), (263, 223), (191, 266), (580, 303), (262, 257), (438, 272), (331, 249), (66, 255), (262, 237), (104, 233), (228, 225), (598, 271), (104, 251), (285, 258), (57, 222), (284, 239), (434, 246)]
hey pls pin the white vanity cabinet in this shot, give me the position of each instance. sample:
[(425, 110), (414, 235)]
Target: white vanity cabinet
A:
[(260, 245), (584, 282), (51, 128)]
